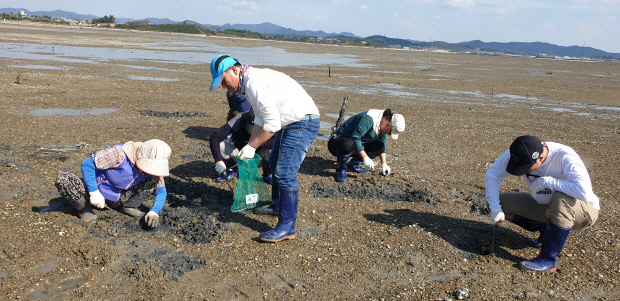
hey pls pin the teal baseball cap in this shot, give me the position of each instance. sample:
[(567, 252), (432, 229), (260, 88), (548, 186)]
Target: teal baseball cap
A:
[(219, 65)]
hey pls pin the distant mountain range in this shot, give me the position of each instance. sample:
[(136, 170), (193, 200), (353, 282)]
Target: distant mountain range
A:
[(518, 48)]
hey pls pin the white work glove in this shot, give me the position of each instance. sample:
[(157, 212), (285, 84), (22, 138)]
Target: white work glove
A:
[(152, 219), (220, 167), (535, 188), (386, 169), (497, 217), (97, 199), (247, 152), (235, 153), (369, 164)]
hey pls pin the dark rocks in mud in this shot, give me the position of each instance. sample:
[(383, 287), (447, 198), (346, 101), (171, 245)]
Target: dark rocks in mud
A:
[(373, 189), (478, 204), (165, 114), (191, 225)]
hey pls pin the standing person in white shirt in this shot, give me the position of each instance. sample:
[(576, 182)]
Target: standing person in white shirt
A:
[(284, 109), (560, 199)]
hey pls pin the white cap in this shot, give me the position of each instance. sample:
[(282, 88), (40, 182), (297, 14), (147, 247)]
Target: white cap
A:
[(398, 125)]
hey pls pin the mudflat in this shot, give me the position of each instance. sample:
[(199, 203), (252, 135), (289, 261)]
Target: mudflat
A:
[(421, 233)]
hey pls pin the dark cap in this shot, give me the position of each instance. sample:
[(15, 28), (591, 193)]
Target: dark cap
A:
[(523, 154)]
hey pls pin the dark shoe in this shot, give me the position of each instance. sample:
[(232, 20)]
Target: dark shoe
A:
[(533, 226), (231, 174), (552, 244), (131, 211), (285, 229), (267, 178), (271, 210)]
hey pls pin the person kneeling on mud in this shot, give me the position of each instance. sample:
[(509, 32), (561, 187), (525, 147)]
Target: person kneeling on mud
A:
[(364, 136), (560, 199), (225, 151), (120, 177)]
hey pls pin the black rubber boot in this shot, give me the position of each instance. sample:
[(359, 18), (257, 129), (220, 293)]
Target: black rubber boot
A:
[(533, 226)]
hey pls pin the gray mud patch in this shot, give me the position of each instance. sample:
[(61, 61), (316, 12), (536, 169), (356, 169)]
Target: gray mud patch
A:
[(373, 189), (158, 264), (164, 114)]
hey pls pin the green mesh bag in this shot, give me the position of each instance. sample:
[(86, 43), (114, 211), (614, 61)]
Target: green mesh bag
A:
[(252, 191)]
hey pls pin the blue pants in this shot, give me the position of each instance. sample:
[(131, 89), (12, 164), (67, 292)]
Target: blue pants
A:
[(289, 150)]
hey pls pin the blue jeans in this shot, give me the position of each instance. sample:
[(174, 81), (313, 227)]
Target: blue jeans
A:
[(290, 147)]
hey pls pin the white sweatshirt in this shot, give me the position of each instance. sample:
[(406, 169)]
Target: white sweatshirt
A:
[(277, 99), (562, 171)]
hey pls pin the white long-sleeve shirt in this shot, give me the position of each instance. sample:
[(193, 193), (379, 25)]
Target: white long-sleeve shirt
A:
[(562, 171), (277, 99)]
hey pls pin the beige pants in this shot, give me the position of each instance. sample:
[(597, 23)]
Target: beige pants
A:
[(562, 210)]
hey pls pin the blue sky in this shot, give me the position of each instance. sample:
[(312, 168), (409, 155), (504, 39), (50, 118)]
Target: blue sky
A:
[(595, 23)]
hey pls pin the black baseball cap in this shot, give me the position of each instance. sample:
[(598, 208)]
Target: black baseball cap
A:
[(523, 154)]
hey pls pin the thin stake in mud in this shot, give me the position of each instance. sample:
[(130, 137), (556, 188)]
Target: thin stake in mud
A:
[(341, 114)]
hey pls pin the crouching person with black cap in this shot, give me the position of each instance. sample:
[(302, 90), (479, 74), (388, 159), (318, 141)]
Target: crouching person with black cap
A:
[(560, 199), (119, 177)]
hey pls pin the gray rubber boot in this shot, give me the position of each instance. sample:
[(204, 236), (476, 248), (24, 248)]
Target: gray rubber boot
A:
[(85, 212)]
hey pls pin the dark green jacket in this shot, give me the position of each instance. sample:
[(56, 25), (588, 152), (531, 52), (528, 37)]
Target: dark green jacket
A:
[(360, 128)]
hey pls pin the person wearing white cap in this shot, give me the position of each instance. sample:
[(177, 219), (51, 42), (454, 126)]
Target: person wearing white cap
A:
[(120, 177), (282, 109), (560, 199), (364, 136)]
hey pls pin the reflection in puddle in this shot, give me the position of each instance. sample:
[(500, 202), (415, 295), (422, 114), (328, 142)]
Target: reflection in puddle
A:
[(203, 53), (41, 67), (158, 79), (52, 112)]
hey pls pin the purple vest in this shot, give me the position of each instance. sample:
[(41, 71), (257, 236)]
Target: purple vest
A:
[(113, 182)]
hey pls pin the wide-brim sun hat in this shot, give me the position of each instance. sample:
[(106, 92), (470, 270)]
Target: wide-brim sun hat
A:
[(398, 125), (152, 158), (219, 65)]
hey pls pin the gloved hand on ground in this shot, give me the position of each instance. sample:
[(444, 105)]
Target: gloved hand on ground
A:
[(97, 199), (369, 164), (386, 169), (220, 167), (497, 217), (152, 219)]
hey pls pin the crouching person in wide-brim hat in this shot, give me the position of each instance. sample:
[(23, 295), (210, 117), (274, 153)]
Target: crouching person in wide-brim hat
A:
[(120, 177), (560, 199)]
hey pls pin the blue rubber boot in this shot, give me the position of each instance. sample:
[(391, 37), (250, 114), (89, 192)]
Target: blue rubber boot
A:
[(274, 209), (230, 173), (532, 226), (341, 170), (285, 229), (357, 161), (552, 244)]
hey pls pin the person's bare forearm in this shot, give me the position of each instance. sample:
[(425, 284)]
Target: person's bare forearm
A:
[(259, 136)]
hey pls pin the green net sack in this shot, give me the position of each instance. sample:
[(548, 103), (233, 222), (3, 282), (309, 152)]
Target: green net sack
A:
[(252, 191)]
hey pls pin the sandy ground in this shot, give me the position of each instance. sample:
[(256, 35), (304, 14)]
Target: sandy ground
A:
[(419, 234)]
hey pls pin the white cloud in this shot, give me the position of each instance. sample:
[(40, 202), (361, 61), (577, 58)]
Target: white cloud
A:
[(364, 7), (247, 5), (461, 3)]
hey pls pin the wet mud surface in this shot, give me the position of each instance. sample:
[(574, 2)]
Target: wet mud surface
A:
[(422, 233)]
